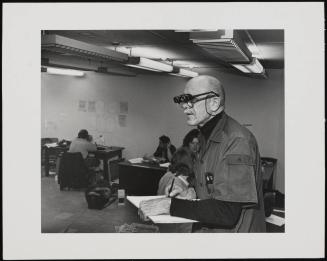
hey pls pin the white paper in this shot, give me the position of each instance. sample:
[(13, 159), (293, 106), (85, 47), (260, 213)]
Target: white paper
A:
[(50, 145), (136, 160), (165, 165), (279, 210), (135, 200), (276, 220)]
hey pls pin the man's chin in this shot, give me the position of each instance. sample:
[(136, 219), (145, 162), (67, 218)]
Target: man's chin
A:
[(191, 122)]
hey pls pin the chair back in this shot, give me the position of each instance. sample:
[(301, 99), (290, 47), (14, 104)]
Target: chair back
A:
[(73, 171), (268, 166)]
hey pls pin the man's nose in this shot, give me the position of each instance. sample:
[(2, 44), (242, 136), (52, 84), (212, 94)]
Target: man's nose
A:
[(184, 107)]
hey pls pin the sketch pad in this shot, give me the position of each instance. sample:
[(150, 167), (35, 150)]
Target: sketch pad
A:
[(168, 219)]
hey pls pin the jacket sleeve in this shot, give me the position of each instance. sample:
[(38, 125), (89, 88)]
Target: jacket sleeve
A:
[(211, 212)]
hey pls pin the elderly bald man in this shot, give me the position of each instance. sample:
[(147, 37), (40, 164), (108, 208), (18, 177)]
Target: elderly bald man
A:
[(228, 179)]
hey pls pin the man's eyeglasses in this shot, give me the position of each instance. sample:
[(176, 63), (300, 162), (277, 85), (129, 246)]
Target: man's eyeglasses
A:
[(190, 99)]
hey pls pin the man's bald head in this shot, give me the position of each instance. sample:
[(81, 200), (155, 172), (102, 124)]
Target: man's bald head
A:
[(204, 106), (206, 83)]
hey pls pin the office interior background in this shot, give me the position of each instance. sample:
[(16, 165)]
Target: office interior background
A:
[(131, 106)]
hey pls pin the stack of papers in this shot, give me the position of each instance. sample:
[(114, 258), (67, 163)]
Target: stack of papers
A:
[(135, 200), (276, 220), (136, 160), (50, 145), (165, 165)]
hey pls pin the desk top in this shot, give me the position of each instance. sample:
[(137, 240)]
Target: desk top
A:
[(142, 165)]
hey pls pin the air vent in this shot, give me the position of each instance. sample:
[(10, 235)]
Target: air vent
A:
[(60, 44), (228, 46)]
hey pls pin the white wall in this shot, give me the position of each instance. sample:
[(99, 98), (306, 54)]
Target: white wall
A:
[(153, 113)]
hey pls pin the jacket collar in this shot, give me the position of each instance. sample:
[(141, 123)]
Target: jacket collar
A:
[(212, 130), (216, 134)]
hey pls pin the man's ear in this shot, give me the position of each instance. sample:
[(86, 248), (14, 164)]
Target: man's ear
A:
[(215, 103)]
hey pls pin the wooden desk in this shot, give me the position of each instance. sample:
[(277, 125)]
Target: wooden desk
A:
[(271, 228), (139, 179), (105, 155)]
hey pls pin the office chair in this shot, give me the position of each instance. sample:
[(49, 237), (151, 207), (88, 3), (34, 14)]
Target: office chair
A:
[(268, 167), (73, 172)]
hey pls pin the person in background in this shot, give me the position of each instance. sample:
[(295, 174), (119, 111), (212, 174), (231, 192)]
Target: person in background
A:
[(191, 141), (83, 144), (228, 179), (179, 173), (179, 176), (165, 149)]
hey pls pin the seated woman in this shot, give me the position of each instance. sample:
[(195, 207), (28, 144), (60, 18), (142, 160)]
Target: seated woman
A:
[(191, 141), (165, 149), (176, 182)]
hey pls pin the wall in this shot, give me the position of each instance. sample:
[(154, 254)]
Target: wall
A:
[(152, 112)]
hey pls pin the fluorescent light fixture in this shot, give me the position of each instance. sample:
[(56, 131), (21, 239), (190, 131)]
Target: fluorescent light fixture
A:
[(183, 72), (187, 73), (195, 30), (60, 71), (253, 67), (147, 64)]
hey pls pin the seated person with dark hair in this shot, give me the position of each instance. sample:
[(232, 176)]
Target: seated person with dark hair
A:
[(176, 182), (165, 149), (83, 144), (191, 141)]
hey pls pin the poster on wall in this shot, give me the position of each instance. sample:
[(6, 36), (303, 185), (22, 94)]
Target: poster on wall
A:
[(122, 120), (91, 107), (123, 107), (82, 105)]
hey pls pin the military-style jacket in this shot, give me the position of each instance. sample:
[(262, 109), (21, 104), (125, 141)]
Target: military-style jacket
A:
[(228, 169)]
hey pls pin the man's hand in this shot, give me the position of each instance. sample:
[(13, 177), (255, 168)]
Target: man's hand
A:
[(154, 207)]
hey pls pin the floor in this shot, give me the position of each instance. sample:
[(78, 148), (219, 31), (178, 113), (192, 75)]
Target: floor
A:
[(67, 212)]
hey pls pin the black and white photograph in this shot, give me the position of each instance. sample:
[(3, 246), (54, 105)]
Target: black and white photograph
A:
[(142, 128), (200, 150)]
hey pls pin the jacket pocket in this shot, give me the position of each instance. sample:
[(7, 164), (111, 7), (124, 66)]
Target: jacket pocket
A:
[(241, 178)]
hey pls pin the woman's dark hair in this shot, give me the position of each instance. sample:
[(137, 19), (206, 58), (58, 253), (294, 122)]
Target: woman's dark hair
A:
[(164, 139), (83, 134), (181, 162), (190, 136)]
